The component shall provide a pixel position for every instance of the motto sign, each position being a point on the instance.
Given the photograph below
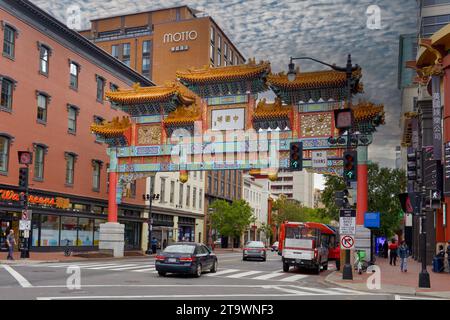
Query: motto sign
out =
(180, 36)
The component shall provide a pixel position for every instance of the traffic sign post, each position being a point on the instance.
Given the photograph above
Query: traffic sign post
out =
(347, 222)
(347, 242)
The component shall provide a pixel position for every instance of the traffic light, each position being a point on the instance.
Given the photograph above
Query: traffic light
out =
(296, 156)
(350, 166)
(23, 178)
(412, 166)
(341, 199)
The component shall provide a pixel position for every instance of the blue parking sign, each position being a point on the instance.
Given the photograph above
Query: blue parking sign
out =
(372, 220)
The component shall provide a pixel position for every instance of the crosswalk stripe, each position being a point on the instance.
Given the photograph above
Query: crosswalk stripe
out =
(349, 291)
(100, 267)
(131, 267)
(321, 291)
(145, 270)
(300, 293)
(294, 278)
(219, 273)
(241, 275)
(81, 265)
(268, 276)
(124, 267)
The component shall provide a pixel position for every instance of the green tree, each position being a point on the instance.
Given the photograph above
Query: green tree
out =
(233, 219)
(384, 186)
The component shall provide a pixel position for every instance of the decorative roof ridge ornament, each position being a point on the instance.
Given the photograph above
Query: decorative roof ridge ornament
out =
(184, 114)
(369, 111)
(114, 128)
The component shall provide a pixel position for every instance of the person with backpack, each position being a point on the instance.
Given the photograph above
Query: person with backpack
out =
(393, 253)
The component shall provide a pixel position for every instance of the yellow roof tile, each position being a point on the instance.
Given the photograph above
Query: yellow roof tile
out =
(115, 128)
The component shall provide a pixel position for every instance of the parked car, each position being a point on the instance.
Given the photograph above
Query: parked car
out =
(186, 258)
(254, 250)
(275, 246)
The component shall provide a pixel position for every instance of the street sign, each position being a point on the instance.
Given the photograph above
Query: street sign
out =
(26, 214)
(26, 234)
(319, 159)
(347, 242)
(347, 222)
(372, 220)
(24, 225)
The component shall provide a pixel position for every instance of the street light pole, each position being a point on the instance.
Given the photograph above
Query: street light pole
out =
(348, 69)
(424, 276)
(150, 197)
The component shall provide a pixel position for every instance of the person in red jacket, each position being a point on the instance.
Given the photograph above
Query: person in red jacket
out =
(393, 252)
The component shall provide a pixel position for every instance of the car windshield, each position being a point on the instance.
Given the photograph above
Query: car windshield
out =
(255, 244)
(180, 249)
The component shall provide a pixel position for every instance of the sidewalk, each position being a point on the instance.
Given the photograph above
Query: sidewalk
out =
(396, 282)
(43, 257)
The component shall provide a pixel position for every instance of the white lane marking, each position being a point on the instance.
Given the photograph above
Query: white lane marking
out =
(319, 291)
(244, 274)
(268, 276)
(296, 292)
(80, 265)
(349, 291)
(145, 270)
(22, 281)
(104, 266)
(219, 273)
(294, 278)
(123, 267)
(131, 267)
(168, 296)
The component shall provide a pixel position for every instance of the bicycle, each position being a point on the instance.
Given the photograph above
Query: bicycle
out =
(67, 250)
(360, 265)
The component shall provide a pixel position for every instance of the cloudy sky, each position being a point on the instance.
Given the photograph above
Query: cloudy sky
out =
(277, 29)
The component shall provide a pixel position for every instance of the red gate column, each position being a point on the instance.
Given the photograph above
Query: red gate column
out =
(362, 185)
(112, 197)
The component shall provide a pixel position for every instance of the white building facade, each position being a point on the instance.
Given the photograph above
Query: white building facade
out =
(178, 208)
(297, 185)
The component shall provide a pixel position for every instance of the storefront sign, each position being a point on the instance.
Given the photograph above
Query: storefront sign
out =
(180, 36)
(437, 117)
(447, 168)
(10, 195)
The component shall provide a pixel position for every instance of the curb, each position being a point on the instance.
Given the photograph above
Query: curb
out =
(419, 294)
(24, 261)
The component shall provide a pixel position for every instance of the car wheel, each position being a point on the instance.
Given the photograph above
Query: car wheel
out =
(285, 267)
(244, 259)
(318, 269)
(161, 273)
(214, 267)
(198, 271)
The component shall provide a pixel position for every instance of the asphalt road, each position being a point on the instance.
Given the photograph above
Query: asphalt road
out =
(137, 279)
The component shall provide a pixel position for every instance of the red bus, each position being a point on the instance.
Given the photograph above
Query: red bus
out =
(307, 245)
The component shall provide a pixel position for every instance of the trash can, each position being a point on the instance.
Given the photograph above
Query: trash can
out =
(438, 264)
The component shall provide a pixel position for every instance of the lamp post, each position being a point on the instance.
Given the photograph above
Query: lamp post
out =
(150, 197)
(424, 276)
(347, 273)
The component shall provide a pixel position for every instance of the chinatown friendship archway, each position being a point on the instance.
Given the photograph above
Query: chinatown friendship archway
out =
(222, 127)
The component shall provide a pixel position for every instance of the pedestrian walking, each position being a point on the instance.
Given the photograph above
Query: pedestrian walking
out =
(403, 253)
(154, 245)
(393, 253)
(385, 249)
(448, 255)
(11, 242)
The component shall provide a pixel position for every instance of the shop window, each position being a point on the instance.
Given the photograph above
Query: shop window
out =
(35, 222)
(85, 232)
(49, 231)
(97, 224)
(80, 207)
(5, 142)
(69, 227)
(7, 87)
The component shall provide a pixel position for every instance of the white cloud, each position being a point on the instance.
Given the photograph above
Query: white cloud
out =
(275, 30)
